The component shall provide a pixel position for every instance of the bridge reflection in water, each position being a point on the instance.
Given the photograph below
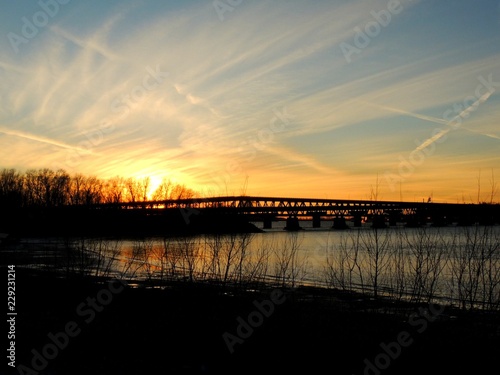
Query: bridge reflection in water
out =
(339, 211)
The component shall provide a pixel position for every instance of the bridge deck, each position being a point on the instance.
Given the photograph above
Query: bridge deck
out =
(304, 206)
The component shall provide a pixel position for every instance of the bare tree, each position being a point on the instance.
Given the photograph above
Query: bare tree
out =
(162, 192)
(172, 255)
(289, 264)
(376, 246)
(114, 190)
(244, 240)
(11, 189)
(189, 248)
(86, 190)
(398, 268)
(475, 268)
(344, 267)
(257, 265)
(132, 190)
(181, 192)
(494, 187)
(427, 261)
(144, 184)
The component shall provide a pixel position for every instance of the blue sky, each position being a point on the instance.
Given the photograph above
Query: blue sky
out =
(328, 99)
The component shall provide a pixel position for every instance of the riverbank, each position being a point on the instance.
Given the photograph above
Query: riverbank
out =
(194, 328)
(70, 221)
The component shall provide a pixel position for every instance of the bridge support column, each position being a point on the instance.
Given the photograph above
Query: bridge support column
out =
(268, 222)
(339, 223)
(379, 221)
(316, 221)
(292, 224)
(393, 219)
(357, 220)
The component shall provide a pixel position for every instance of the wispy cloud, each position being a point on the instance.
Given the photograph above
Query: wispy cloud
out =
(37, 138)
(462, 115)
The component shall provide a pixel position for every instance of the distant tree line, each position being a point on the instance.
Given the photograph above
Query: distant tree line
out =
(46, 188)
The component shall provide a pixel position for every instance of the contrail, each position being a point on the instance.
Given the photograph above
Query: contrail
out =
(464, 114)
(433, 139)
(485, 134)
(38, 138)
(471, 108)
(299, 158)
(411, 114)
(84, 44)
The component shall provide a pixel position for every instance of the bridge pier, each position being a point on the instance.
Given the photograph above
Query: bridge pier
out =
(340, 223)
(268, 222)
(393, 219)
(292, 224)
(378, 221)
(316, 220)
(357, 220)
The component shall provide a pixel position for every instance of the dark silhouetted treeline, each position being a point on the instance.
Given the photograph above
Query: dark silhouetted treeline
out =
(48, 188)
(48, 202)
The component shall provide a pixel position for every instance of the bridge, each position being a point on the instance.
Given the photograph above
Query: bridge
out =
(269, 209)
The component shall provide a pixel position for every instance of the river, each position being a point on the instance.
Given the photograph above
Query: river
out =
(458, 264)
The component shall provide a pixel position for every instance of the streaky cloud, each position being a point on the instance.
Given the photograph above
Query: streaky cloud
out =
(37, 138)
(464, 114)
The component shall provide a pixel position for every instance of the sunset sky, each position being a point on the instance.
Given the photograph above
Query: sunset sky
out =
(320, 99)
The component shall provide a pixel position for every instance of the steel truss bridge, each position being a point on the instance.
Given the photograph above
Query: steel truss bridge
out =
(271, 208)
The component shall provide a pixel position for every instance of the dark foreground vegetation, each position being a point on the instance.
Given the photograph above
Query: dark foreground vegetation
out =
(195, 328)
